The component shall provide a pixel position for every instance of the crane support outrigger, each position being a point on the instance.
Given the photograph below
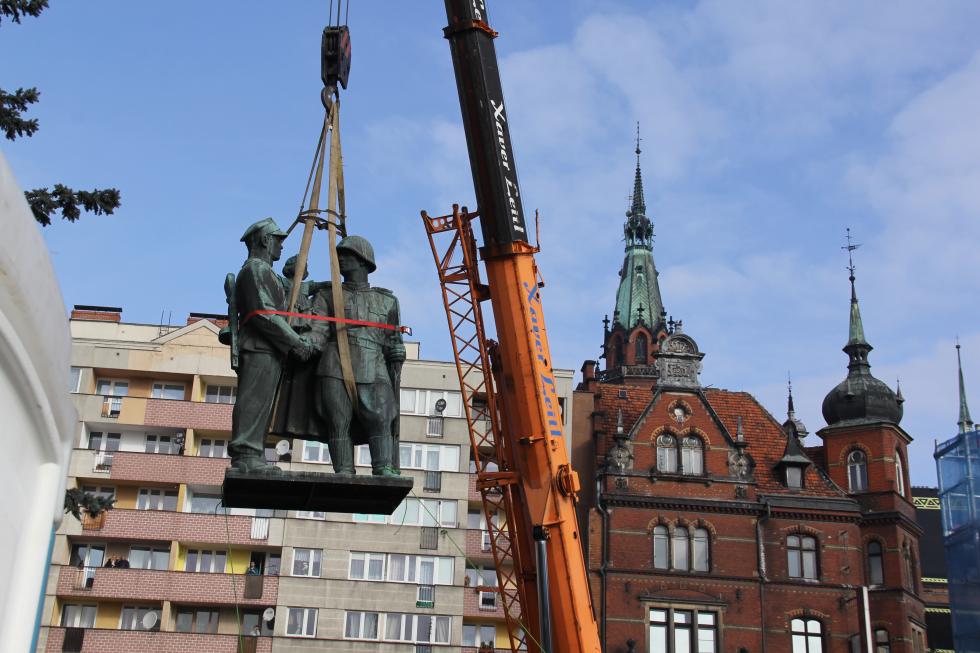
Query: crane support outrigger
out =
(535, 485)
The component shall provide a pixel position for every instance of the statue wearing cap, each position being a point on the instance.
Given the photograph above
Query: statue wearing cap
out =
(264, 342)
(377, 354)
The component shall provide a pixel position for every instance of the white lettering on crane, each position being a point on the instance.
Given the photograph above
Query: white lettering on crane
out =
(513, 194)
(478, 10)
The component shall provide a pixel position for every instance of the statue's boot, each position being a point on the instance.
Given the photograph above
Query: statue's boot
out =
(254, 465)
(381, 451)
(342, 455)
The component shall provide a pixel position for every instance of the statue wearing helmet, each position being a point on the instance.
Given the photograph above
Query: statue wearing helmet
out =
(377, 354)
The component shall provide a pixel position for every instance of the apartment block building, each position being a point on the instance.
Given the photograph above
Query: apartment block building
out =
(154, 405)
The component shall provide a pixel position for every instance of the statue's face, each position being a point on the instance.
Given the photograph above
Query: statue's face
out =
(349, 263)
(274, 243)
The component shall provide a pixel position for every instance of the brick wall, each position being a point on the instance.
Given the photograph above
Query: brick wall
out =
(98, 640)
(162, 468)
(175, 586)
(98, 316)
(188, 414)
(471, 605)
(160, 525)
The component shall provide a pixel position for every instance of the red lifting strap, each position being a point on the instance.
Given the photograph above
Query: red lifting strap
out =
(323, 318)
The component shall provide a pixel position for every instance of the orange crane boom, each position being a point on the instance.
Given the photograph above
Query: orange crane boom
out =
(528, 442)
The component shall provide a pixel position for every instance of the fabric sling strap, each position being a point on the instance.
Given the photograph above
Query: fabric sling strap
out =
(335, 197)
(324, 318)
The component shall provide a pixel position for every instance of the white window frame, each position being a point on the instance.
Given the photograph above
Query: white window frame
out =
(224, 394)
(360, 624)
(157, 440)
(155, 498)
(670, 625)
(366, 558)
(802, 632)
(104, 441)
(322, 451)
(425, 400)
(418, 451)
(413, 620)
(79, 619)
(213, 557)
(213, 444)
(311, 514)
(304, 622)
(314, 563)
(802, 552)
(425, 509)
(138, 617)
(75, 379)
(414, 562)
(478, 640)
(151, 552)
(161, 388)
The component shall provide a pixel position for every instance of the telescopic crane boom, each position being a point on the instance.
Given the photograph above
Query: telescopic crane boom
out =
(556, 602)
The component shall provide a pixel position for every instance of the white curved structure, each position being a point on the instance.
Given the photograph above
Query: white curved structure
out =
(38, 415)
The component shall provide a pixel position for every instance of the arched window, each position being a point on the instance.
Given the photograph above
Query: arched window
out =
(857, 471)
(661, 548)
(617, 352)
(882, 645)
(680, 544)
(899, 474)
(692, 456)
(667, 454)
(700, 554)
(807, 636)
(876, 567)
(801, 551)
(641, 349)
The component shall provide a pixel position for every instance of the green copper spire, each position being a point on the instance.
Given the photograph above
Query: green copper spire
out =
(965, 422)
(638, 297)
(857, 347)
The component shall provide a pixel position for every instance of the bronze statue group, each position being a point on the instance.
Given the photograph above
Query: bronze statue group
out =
(290, 378)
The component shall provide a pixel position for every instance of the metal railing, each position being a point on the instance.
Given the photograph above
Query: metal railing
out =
(103, 461)
(84, 578)
(435, 426)
(111, 406)
(426, 597)
(429, 537)
(432, 482)
(423, 648)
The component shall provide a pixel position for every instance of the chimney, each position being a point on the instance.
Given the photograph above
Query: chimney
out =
(218, 319)
(96, 313)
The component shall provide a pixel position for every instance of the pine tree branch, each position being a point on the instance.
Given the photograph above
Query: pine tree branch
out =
(44, 202)
(76, 500)
(11, 106)
(14, 9)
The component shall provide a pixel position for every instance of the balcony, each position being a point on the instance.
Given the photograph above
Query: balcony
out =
(478, 544)
(426, 597)
(171, 413)
(482, 602)
(164, 525)
(167, 468)
(101, 409)
(99, 640)
(90, 583)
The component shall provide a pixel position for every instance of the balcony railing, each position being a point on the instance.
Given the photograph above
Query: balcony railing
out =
(426, 597)
(260, 528)
(74, 640)
(435, 426)
(429, 537)
(432, 482)
(103, 461)
(423, 648)
(111, 406)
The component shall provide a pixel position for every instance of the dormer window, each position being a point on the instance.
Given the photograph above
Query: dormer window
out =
(794, 477)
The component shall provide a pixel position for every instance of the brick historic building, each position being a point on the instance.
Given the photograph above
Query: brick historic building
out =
(710, 526)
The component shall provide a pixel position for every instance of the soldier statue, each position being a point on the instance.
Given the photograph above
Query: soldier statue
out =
(377, 354)
(264, 342)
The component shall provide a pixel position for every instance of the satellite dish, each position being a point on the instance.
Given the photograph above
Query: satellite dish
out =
(282, 447)
(440, 405)
(150, 620)
(269, 614)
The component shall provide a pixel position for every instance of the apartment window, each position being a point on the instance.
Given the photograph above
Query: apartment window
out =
(683, 631)
(899, 474)
(679, 559)
(144, 557)
(661, 547)
(78, 616)
(161, 444)
(273, 562)
(857, 471)
(210, 448)
(424, 570)
(315, 452)
(191, 620)
(253, 620)
(882, 645)
(310, 514)
(430, 457)
(87, 555)
(420, 628)
(425, 512)
(101, 491)
(220, 394)
(423, 402)
(479, 635)
(167, 391)
(876, 567)
(98, 441)
(206, 562)
(699, 550)
(208, 504)
(150, 499)
(301, 622)
(74, 379)
(667, 454)
(807, 636)
(306, 562)
(801, 551)
(361, 625)
(138, 618)
(692, 456)
(367, 566)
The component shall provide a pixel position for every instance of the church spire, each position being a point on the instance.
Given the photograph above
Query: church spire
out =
(965, 422)
(857, 346)
(638, 299)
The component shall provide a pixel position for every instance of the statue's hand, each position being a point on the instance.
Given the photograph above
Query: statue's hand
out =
(302, 350)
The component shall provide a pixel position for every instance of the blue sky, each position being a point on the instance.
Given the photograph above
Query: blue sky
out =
(768, 128)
